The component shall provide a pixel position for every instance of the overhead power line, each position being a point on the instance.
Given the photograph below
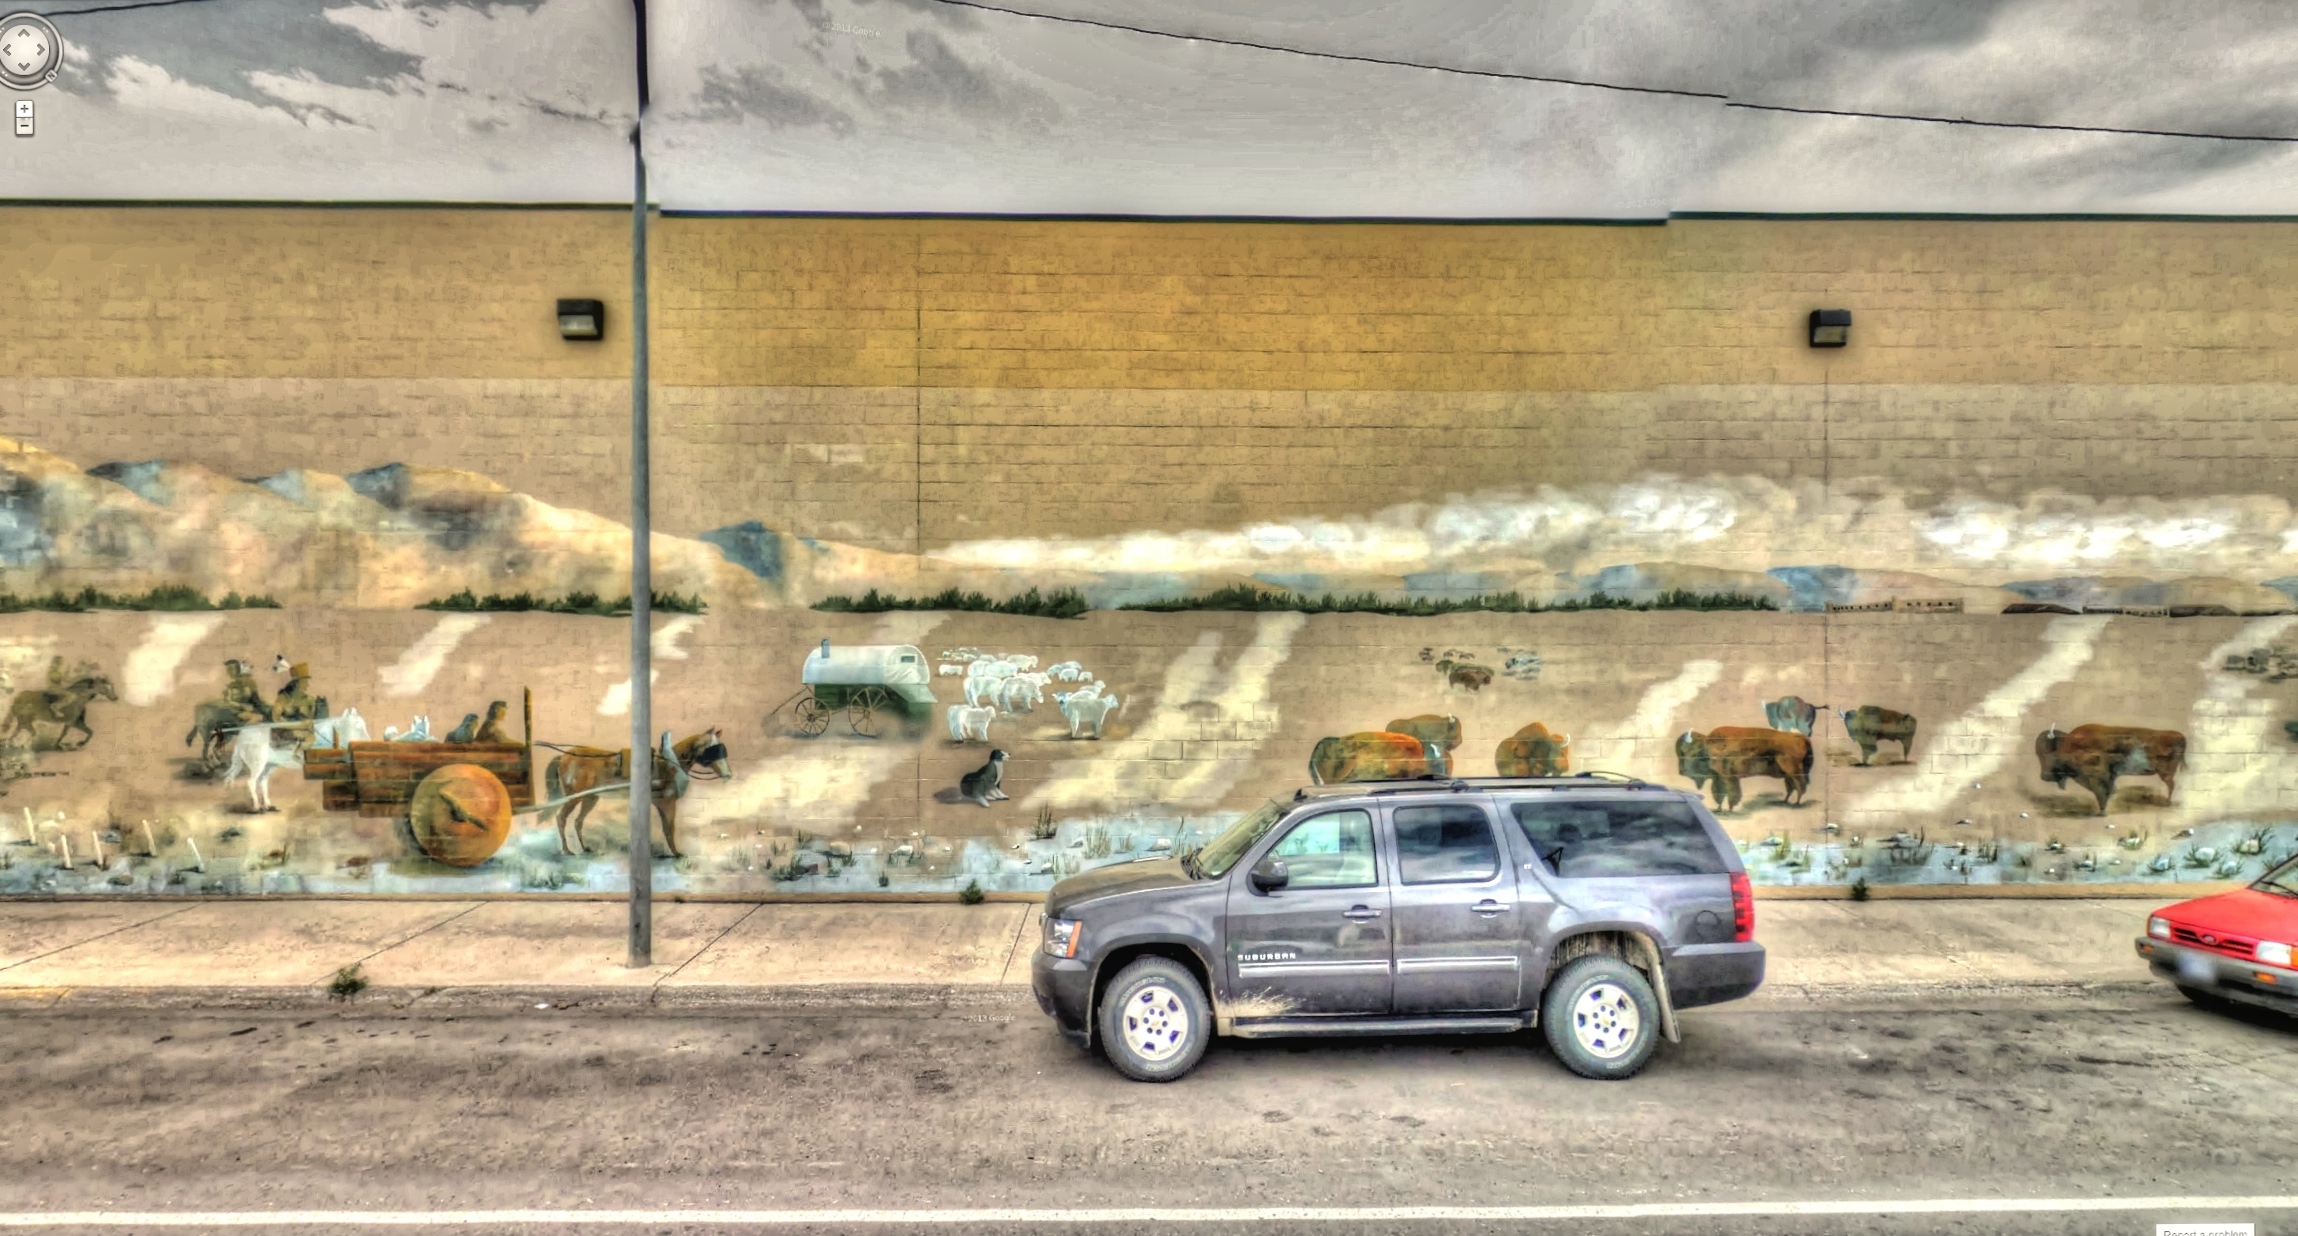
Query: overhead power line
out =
(121, 8)
(1454, 70)
(1592, 84)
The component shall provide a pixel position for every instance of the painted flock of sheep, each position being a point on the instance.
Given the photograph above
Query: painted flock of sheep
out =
(1006, 684)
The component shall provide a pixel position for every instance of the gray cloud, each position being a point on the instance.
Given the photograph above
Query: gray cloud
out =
(938, 77)
(217, 45)
(757, 90)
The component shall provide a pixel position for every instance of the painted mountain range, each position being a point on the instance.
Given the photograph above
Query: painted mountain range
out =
(396, 536)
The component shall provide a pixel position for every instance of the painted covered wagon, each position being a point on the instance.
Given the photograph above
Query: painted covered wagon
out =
(876, 685)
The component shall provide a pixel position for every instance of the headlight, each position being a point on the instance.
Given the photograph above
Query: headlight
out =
(2158, 927)
(1061, 936)
(2274, 954)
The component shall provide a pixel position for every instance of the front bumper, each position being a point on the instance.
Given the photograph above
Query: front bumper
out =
(2246, 982)
(1713, 973)
(1064, 990)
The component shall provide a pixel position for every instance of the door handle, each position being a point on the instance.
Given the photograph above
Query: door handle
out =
(1488, 907)
(1360, 913)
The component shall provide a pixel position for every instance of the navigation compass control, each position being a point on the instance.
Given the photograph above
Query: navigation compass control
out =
(30, 51)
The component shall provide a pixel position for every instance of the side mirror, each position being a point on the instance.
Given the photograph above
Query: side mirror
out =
(1270, 874)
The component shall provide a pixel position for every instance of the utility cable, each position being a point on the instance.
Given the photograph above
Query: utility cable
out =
(1588, 83)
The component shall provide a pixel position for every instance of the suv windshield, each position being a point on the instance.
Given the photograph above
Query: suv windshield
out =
(2283, 879)
(1222, 852)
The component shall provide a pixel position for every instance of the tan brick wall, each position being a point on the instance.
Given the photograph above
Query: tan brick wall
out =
(908, 382)
(171, 292)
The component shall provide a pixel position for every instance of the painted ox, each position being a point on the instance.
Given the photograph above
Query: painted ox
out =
(1429, 728)
(1869, 725)
(2092, 756)
(1534, 752)
(1792, 713)
(1375, 756)
(1727, 754)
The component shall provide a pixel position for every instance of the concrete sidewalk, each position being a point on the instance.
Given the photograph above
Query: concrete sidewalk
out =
(239, 953)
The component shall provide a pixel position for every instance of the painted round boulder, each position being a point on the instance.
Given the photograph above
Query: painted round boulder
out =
(460, 814)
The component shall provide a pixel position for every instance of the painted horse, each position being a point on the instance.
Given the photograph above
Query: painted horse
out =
(580, 770)
(65, 708)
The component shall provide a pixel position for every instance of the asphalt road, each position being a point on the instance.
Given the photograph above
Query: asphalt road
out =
(372, 1109)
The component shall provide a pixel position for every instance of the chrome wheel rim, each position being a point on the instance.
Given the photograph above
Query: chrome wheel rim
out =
(1156, 1023)
(1605, 1022)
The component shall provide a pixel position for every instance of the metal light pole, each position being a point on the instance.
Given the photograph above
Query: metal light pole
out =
(641, 761)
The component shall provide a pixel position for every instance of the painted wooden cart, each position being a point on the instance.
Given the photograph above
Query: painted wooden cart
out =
(876, 685)
(457, 797)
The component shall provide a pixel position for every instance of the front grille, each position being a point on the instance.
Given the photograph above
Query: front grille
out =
(2215, 941)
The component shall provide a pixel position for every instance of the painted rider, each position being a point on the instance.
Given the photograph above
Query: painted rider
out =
(295, 701)
(243, 694)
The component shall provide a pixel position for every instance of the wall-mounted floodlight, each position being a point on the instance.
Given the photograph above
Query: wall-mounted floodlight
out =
(1830, 328)
(582, 319)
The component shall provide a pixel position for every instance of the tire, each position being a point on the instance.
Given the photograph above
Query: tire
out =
(1155, 1021)
(1602, 1019)
(2204, 999)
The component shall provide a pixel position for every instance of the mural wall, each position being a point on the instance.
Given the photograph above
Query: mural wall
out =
(915, 639)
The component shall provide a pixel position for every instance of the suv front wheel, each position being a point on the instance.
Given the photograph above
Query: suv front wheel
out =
(1602, 1019)
(1154, 1020)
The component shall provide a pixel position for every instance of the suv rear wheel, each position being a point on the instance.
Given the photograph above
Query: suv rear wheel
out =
(1602, 1019)
(1154, 1020)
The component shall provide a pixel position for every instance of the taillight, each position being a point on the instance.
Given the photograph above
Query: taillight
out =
(1742, 908)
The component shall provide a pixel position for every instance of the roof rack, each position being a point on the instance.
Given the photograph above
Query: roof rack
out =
(1424, 785)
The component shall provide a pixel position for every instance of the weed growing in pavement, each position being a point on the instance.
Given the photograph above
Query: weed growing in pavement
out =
(971, 894)
(348, 982)
(1859, 889)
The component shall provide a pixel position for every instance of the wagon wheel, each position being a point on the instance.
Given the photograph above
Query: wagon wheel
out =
(813, 716)
(867, 710)
(460, 814)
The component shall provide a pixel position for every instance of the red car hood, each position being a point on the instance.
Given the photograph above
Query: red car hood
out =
(2244, 912)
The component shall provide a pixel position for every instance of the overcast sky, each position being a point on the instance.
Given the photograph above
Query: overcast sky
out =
(920, 105)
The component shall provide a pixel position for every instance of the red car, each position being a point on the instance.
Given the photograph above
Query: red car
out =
(2233, 947)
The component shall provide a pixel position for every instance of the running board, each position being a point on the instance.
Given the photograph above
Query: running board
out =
(1296, 1027)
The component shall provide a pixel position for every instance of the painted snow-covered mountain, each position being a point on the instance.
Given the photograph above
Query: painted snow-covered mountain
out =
(396, 536)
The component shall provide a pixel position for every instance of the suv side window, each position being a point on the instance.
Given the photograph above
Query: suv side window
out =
(1592, 840)
(1333, 850)
(1445, 844)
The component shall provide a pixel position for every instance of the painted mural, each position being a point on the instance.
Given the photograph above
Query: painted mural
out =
(413, 680)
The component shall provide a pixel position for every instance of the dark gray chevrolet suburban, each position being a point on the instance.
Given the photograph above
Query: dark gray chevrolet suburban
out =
(1593, 908)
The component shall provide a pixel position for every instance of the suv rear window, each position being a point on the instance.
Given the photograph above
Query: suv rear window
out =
(1591, 840)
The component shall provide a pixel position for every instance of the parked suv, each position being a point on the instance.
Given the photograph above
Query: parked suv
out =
(1594, 908)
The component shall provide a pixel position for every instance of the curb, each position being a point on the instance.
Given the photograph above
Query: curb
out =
(845, 998)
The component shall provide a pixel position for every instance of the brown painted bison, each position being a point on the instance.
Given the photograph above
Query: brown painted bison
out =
(2092, 756)
(1375, 756)
(1728, 753)
(1792, 713)
(1534, 752)
(1429, 728)
(1869, 725)
(1465, 674)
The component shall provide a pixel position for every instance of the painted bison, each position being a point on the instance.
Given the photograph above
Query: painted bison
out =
(1465, 674)
(1375, 756)
(1534, 752)
(1727, 754)
(1429, 728)
(2092, 756)
(1869, 725)
(1792, 713)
